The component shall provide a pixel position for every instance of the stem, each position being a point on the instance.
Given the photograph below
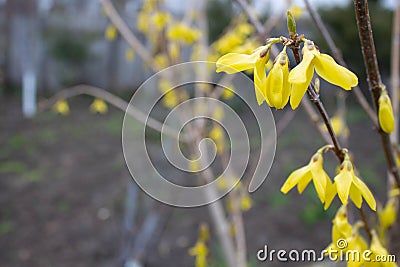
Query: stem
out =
(366, 225)
(374, 77)
(395, 69)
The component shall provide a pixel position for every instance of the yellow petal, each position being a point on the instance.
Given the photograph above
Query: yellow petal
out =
(330, 193)
(260, 79)
(365, 192)
(301, 186)
(299, 89)
(300, 73)
(385, 114)
(355, 196)
(343, 182)
(274, 84)
(235, 62)
(294, 179)
(388, 215)
(332, 72)
(319, 178)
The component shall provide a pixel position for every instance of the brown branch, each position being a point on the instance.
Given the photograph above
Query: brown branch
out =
(374, 77)
(395, 69)
(339, 58)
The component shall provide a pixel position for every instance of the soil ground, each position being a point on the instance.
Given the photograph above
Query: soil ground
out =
(63, 185)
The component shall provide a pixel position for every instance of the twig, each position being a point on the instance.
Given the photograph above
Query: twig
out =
(395, 70)
(338, 56)
(374, 78)
(116, 102)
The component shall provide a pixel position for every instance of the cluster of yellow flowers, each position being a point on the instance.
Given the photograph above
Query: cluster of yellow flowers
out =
(200, 250)
(346, 183)
(346, 238)
(280, 84)
(98, 106)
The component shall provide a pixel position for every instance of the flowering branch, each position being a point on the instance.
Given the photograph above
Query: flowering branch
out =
(374, 77)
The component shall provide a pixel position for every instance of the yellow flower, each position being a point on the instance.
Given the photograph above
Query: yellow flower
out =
(387, 216)
(111, 32)
(235, 62)
(129, 55)
(378, 252)
(348, 184)
(173, 50)
(297, 11)
(217, 134)
(98, 106)
(385, 114)
(313, 171)
(204, 232)
(183, 33)
(228, 93)
(161, 61)
(170, 99)
(326, 67)
(160, 20)
(200, 251)
(61, 107)
(277, 85)
(228, 42)
(246, 202)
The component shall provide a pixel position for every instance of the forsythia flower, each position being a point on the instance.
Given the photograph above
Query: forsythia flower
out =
(160, 19)
(377, 249)
(217, 134)
(98, 106)
(385, 113)
(326, 67)
(228, 93)
(387, 215)
(111, 32)
(170, 99)
(313, 171)
(346, 237)
(235, 62)
(246, 202)
(277, 89)
(61, 107)
(348, 184)
(183, 33)
(200, 251)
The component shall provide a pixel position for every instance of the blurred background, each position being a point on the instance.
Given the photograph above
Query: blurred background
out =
(65, 193)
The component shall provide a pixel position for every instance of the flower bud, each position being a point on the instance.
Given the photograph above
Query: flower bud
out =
(385, 114)
(291, 23)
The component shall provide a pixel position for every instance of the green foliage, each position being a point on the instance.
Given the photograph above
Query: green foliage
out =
(69, 50)
(219, 15)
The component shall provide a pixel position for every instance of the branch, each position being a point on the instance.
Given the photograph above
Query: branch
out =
(339, 58)
(374, 77)
(395, 69)
(114, 101)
